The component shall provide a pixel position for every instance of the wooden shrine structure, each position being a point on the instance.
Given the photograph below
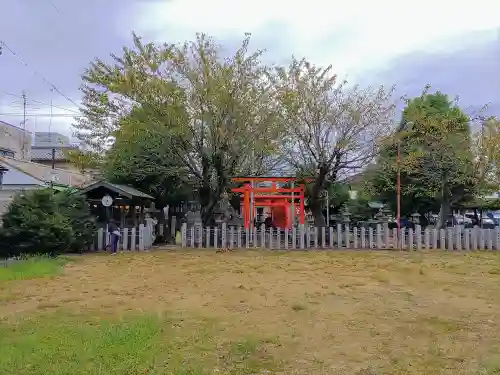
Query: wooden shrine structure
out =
(285, 203)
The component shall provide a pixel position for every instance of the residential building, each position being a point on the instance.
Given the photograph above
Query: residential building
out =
(14, 142)
(25, 175)
(50, 149)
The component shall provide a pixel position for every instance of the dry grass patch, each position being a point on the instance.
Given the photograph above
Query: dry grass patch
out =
(251, 312)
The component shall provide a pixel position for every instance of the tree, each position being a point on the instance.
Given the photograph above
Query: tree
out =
(332, 129)
(142, 158)
(217, 114)
(44, 222)
(437, 163)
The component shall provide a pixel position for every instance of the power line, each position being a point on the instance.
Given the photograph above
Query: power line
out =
(39, 102)
(40, 115)
(41, 76)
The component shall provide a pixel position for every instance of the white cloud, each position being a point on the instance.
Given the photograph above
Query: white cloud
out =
(353, 35)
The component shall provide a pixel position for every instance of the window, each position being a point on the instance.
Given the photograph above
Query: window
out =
(6, 152)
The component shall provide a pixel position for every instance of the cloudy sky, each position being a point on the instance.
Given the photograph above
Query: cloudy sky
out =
(455, 46)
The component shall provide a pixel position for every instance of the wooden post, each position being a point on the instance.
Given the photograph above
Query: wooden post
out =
(363, 237)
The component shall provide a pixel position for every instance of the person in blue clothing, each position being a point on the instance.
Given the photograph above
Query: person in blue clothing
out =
(114, 232)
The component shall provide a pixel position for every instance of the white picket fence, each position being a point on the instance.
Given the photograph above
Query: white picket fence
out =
(342, 237)
(141, 238)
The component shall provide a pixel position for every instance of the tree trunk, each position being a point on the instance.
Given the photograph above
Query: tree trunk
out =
(445, 208)
(315, 201)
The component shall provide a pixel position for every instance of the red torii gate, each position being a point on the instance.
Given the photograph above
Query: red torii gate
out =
(280, 199)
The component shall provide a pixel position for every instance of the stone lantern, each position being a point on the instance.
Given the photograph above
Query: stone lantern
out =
(415, 218)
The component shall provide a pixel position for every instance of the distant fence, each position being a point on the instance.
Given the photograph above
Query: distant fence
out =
(342, 237)
(140, 238)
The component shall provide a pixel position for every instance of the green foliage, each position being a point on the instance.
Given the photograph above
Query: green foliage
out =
(331, 128)
(437, 169)
(141, 157)
(44, 222)
(198, 116)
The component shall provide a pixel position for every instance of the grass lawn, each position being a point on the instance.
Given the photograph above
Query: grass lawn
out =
(253, 312)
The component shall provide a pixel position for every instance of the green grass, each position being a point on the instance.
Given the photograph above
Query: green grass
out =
(32, 268)
(67, 344)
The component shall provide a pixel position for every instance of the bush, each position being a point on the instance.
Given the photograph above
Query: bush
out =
(45, 222)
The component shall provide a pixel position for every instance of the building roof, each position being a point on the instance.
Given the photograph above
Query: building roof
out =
(45, 173)
(45, 153)
(124, 190)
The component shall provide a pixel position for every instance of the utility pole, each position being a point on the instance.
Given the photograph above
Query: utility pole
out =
(24, 110)
(50, 133)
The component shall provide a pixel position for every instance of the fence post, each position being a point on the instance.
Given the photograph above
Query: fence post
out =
(489, 236)
(402, 238)
(466, 239)
(410, 239)
(330, 233)
(427, 242)
(173, 227)
(263, 236)
(278, 239)
(231, 237)
(271, 230)
(191, 233)
(199, 235)
(458, 238)
(442, 239)
(315, 240)
(418, 236)
(379, 236)
(370, 238)
(347, 236)
(450, 246)
(141, 236)
(387, 236)
(294, 237)
(100, 238)
(481, 238)
(216, 237)
(474, 238)
(339, 236)
(363, 237)
(355, 235)
(247, 237)
(238, 238)
(207, 237)
(224, 235)
(395, 238)
(323, 237)
(133, 239)
(434, 238)
(308, 237)
(301, 234)
(125, 239)
(497, 238)
(254, 237)
(286, 238)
